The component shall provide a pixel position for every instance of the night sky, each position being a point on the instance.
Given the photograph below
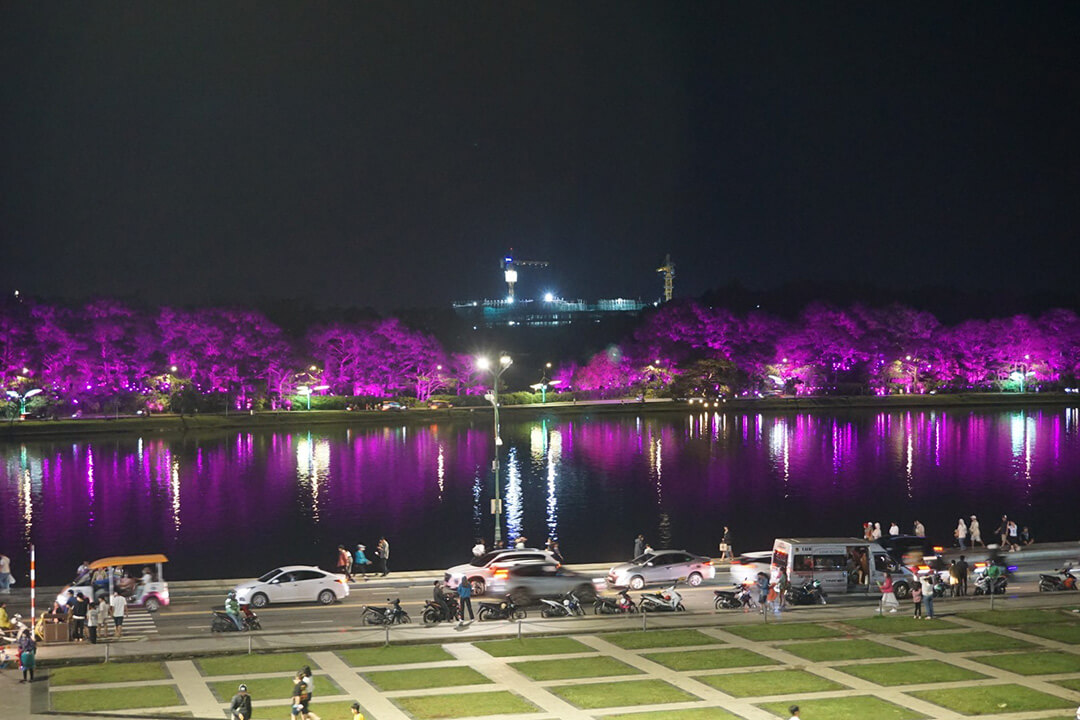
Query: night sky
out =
(389, 154)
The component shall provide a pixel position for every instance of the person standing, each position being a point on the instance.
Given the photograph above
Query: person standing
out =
(783, 584)
(1003, 532)
(240, 707)
(556, 552)
(119, 607)
(27, 654)
(92, 622)
(78, 616)
(927, 587)
(102, 617)
(478, 549)
(961, 576)
(383, 551)
(894, 530)
(919, 529)
(888, 597)
(763, 590)
(344, 563)
(5, 574)
(975, 532)
(726, 550)
(639, 546)
(464, 591)
(916, 597)
(875, 534)
(361, 561)
(519, 543)
(1013, 536)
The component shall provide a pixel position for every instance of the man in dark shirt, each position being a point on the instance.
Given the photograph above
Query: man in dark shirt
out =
(78, 615)
(300, 700)
(439, 596)
(241, 705)
(961, 576)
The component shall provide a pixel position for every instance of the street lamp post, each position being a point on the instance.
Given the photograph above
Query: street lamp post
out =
(496, 371)
(22, 398)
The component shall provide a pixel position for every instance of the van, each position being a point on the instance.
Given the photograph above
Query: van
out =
(841, 565)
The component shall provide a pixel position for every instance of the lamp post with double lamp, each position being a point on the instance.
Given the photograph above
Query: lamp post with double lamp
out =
(496, 370)
(22, 398)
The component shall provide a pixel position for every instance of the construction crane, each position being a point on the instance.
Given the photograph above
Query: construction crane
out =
(668, 268)
(510, 266)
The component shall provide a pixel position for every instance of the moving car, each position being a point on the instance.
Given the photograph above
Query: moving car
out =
(139, 578)
(293, 583)
(392, 406)
(662, 566)
(531, 581)
(439, 405)
(481, 570)
(745, 568)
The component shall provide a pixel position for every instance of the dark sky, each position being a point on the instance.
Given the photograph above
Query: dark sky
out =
(389, 154)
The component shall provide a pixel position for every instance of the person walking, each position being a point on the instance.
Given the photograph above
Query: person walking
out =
(356, 713)
(27, 654)
(961, 534)
(557, 553)
(927, 587)
(118, 604)
(78, 616)
(92, 622)
(919, 529)
(5, 574)
(1013, 536)
(464, 592)
(916, 597)
(726, 551)
(975, 532)
(1003, 532)
(102, 611)
(794, 710)
(763, 591)
(361, 561)
(639, 546)
(382, 551)
(344, 562)
(888, 597)
(240, 707)
(300, 699)
(961, 576)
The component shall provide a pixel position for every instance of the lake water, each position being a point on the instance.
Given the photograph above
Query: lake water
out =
(236, 504)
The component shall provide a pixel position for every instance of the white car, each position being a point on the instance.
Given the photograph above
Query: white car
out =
(481, 570)
(662, 566)
(293, 583)
(745, 568)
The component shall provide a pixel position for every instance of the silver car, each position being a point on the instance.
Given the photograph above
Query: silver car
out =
(481, 570)
(662, 566)
(528, 582)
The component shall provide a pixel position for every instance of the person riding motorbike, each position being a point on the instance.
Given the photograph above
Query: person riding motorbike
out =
(232, 609)
(439, 596)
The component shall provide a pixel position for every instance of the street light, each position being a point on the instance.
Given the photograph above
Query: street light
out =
(483, 363)
(22, 398)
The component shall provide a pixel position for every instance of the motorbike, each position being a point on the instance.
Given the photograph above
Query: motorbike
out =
(810, 593)
(434, 613)
(390, 615)
(990, 586)
(567, 605)
(1062, 580)
(666, 600)
(731, 599)
(503, 610)
(11, 636)
(221, 622)
(614, 606)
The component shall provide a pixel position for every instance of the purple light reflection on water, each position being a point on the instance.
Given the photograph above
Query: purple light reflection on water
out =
(235, 504)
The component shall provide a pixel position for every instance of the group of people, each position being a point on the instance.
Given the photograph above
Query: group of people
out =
(1010, 537)
(357, 562)
(442, 594)
(302, 693)
(88, 619)
(519, 543)
(872, 530)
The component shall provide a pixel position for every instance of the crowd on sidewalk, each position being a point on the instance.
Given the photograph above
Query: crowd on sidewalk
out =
(1010, 536)
(357, 562)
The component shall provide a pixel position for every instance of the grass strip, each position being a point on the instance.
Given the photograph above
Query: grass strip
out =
(99, 699)
(393, 655)
(1005, 618)
(532, 646)
(1033, 663)
(770, 682)
(893, 625)
(827, 650)
(107, 673)
(992, 699)
(859, 707)
(465, 705)
(710, 713)
(784, 631)
(727, 657)
(969, 641)
(911, 672)
(630, 692)
(1071, 684)
(424, 678)
(1062, 632)
(578, 668)
(264, 688)
(253, 664)
(639, 640)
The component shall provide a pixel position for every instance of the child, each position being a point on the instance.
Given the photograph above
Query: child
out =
(916, 597)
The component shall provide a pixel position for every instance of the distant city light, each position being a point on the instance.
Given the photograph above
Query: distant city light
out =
(548, 297)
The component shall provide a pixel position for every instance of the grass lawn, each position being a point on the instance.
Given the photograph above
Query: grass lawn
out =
(688, 714)
(107, 673)
(532, 646)
(968, 641)
(860, 707)
(1073, 684)
(464, 705)
(784, 631)
(631, 692)
(424, 678)
(1062, 632)
(843, 650)
(659, 638)
(253, 664)
(1015, 617)
(993, 699)
(774, 682)
(911, 672)
(393, 655)
(1033, 663)
(577, 668)
(714, 659)
(892, 624)
(144, 696)
(266, 688)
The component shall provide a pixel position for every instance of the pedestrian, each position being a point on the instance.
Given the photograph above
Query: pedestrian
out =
(1013, 536)
(919, 529)
(794, 710)
(961, 576)
(726, 550)
(300, 700)
(119, 607)
(549, 544)
(92, 623)
(763, 590)
(361, 561)
(356, 714)
(478, 549)
(783, 584)
(240, 707)
(5, 623)
(975, 532)
(868, 531)
(916, 597)
(382, 550)
(78, 616)
(5, 574)
(1002, 532)
(519, 543)
(304, 676)
(639, 546)
(961, 534)
(876, 534)
(103, 617)
(894, 530)
(927, 587)
(27, 654)
(888, 597)
(464, 591)
(556, 552)
(344, 562)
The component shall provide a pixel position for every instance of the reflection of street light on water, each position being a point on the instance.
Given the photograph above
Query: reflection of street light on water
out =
(483, 363)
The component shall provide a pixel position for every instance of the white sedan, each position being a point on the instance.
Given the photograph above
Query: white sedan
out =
(293, 583)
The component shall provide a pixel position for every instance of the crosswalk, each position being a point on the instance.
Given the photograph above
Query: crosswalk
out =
(138, 623)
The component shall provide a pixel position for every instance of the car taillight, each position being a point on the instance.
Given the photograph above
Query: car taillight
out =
(980, 565)
(339, 580)
(707, 562)
(938, 549)
(922, 568)
(502, 574)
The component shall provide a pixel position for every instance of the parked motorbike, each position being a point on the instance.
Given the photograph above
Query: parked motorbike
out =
(11, 636)
(1062, 580)
(567, 605)
(666, 600)
(810, 593)
(221, 622)
(503, 610)
(622, 603)
(990, 586)
(392, 614)
(730, 599)
(434, 613)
